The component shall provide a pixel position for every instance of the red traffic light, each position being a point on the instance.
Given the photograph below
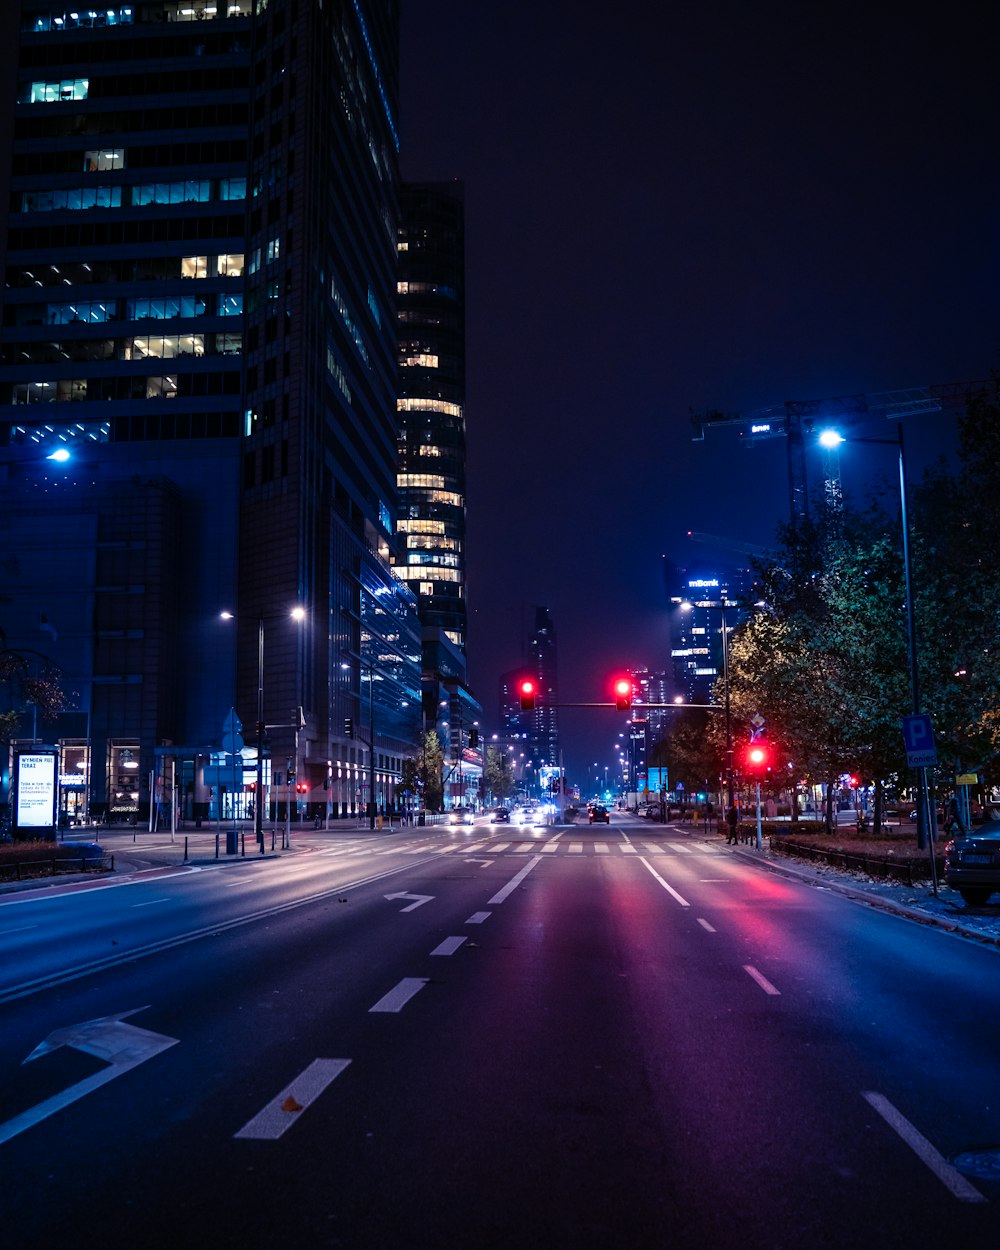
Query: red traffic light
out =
(758, 758)
(623, 694)
(527, 688)
(855, 782)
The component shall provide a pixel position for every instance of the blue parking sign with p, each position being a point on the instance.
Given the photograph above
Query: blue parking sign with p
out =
(918, 739)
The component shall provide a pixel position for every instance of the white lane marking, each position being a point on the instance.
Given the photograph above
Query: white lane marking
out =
(601, 848)
(576, 848)
(478, 917)
(706, 926)
(445, 850)
(20, 928)
(677, 846)
(476, 846)
(25, 988)
(761, 980)
(716, 881)
(151, 902)
(550, 846)
(283, 1110)
(448, 947)
(500, 846)
(400, 995)
(228, 885)
(525, 848)
(654, 848)
(514, 882)
(629, 850)
(669, 888)
(954, 1181)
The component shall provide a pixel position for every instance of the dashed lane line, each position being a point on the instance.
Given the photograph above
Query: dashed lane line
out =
(285, 1108)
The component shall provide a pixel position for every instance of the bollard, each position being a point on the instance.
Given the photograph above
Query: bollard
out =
(185, 849)
(243, 844)
(272, 842)
(216, 846)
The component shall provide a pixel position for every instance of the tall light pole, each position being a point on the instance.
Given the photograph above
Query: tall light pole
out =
(831, 438)
(296, 614)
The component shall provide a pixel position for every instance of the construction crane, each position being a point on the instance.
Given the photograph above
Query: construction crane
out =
(794, 419)
(729, 544)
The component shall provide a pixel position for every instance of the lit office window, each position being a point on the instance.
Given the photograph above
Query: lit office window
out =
(63, 91)
(103, 158)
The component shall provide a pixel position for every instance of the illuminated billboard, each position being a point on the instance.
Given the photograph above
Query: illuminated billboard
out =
(36, 790)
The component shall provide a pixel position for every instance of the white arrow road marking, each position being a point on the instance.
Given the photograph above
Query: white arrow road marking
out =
(398, 997)
(761, 980)
(449, 946)
(123, 1046)
(420, 899)
(283, 1110)
(922, 1148)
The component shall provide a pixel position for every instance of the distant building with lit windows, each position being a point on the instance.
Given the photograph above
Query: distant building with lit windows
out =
(431, 404)
(696, 631)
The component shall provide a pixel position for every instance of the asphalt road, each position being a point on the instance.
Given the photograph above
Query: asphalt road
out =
(597, 1037)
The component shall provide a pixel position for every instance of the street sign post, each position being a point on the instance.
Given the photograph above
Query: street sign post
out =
(918, 739)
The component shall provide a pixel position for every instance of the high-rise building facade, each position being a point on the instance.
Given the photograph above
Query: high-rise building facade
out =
(696, 628)
(431, 471)
(199, 307)
(543, 663)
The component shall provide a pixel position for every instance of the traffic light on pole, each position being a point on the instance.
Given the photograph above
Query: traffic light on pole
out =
(623, 694)
(526, 691)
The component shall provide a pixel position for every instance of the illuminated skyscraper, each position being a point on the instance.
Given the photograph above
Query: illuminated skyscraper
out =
(431, 479)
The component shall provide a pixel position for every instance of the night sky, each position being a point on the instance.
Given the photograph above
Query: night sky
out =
(677, 207)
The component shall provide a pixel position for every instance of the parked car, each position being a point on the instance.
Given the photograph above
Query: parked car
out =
(501, 816)
(972, 864)
(598, 814)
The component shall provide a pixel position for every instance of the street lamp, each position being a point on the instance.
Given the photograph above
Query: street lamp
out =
(832, 438)
(296, 614)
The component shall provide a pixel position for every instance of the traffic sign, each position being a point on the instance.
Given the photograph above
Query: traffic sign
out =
(918, 739)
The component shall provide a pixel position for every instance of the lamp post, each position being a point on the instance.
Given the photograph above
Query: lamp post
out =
(296, 614)
(832, 438)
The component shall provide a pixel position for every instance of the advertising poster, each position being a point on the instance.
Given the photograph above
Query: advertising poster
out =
(36, 790)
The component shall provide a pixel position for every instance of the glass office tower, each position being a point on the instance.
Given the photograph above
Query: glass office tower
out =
(199, 308)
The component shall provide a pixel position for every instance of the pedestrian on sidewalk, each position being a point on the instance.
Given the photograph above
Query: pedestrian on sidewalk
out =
(732, 824)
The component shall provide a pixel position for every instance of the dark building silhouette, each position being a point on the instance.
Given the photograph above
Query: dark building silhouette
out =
(543, 722)
(199, 306)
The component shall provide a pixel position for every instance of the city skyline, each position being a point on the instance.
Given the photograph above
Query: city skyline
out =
(676, 210)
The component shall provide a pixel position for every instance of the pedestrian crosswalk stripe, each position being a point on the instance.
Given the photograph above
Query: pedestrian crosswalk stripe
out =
(601, 848)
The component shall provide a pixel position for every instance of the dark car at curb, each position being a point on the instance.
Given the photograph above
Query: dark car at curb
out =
(972, 864)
